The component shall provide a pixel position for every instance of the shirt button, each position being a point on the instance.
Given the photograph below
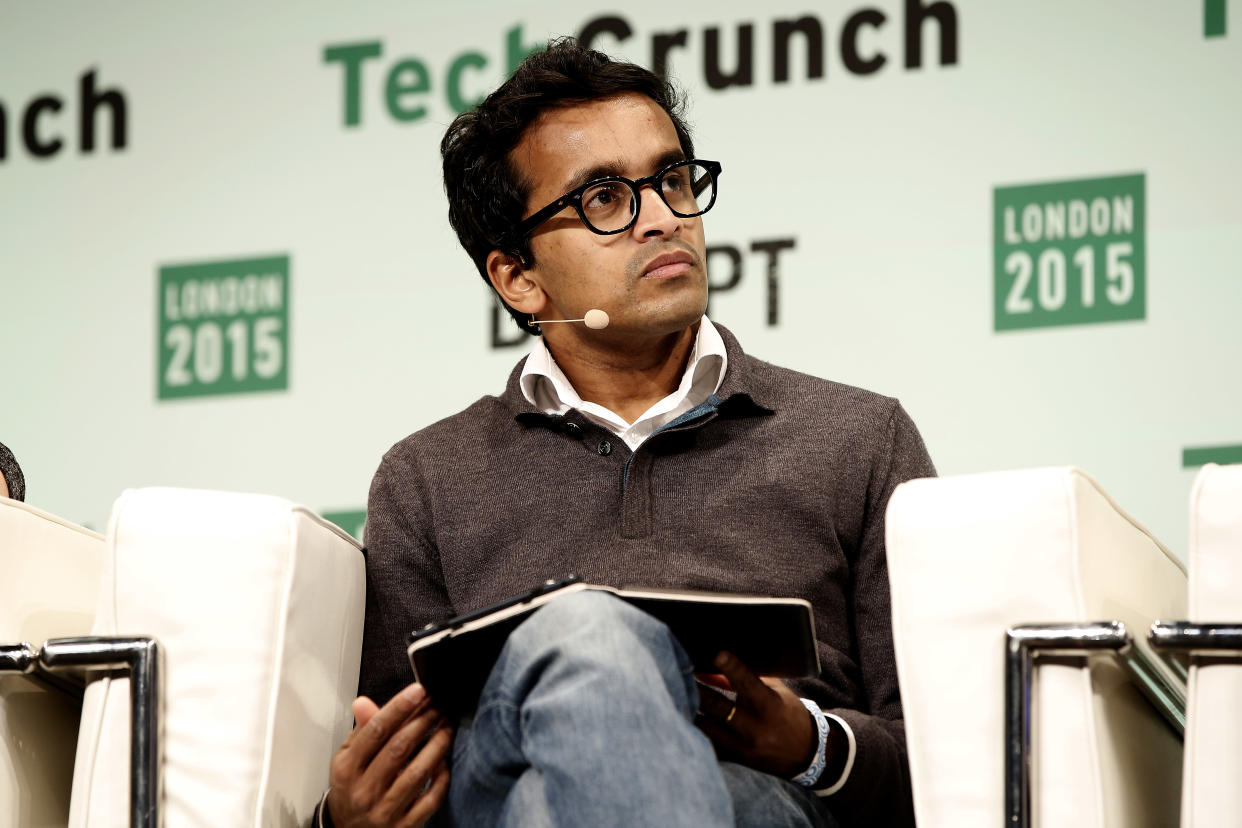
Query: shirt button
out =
(604, 448)
(573, 430)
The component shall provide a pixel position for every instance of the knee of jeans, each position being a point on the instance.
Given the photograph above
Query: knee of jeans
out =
(591, 615)
(589, 608)
(596, 629)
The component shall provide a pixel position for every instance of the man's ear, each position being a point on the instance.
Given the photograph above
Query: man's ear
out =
(509, 277)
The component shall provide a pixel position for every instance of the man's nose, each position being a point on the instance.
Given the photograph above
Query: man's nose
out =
(655, 217)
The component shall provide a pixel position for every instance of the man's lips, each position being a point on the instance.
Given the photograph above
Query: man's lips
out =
(668, 264)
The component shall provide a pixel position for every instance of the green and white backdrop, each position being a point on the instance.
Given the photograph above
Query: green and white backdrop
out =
(225, 262)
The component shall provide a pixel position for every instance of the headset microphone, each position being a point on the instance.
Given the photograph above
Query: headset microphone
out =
(595, 319)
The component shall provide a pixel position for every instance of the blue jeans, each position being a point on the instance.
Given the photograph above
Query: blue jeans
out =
(587, 719)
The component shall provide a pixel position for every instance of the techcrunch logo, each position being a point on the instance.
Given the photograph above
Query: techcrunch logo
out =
(39, 116)
(408, 80)
(1069, 252)
(726, 56)
(861, 43)
(223, 327)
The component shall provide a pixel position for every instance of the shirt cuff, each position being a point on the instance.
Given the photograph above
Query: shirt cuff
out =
(811, 775)
(849, 758)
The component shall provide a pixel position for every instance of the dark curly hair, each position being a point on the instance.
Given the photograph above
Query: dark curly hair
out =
(486, 194)
(12, 474)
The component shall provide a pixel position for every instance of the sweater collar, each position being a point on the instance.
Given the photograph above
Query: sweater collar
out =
(740, 393)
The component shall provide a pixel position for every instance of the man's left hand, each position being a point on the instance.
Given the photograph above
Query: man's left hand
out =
(766, 728)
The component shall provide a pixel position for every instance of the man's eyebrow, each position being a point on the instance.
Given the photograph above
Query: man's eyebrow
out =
(604, 170)
(616, 168)
(670, 157)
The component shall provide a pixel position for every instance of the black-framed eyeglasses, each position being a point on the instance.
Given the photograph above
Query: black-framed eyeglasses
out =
(610, 205)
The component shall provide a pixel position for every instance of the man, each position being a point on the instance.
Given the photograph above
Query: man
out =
(12, 481)
(651, 452)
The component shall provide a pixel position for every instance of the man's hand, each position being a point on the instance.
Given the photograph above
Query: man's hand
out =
(379, 775)
(766, 728)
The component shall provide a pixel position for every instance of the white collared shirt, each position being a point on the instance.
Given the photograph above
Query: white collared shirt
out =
(546, 387)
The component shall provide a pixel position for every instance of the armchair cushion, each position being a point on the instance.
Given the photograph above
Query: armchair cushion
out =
(51, 578)
(257, 604)
(971, 556)
(1213, 765)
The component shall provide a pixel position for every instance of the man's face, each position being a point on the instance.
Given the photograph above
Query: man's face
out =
(650, 279)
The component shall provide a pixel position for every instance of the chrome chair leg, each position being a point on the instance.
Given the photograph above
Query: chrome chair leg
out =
(18, 658)
(1221, 640)
(139, 658)
(1026, 642)
(1022, 644)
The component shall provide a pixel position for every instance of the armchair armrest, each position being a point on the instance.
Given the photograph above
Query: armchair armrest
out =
(258, 605)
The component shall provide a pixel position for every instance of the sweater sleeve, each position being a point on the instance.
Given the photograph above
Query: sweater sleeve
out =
(405, 585)
(876, 788)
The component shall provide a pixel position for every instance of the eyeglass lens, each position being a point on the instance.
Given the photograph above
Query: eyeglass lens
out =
(688, 190)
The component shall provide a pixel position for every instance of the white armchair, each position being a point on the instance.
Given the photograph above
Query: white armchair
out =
(971, 557)
(50, 583)
(1213, 763)
(255, 607)
(257, 604)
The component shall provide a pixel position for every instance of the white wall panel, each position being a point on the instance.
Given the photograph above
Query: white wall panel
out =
(237, 148)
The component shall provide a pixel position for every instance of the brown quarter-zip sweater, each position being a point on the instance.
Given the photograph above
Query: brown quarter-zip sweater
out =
(776, 485)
